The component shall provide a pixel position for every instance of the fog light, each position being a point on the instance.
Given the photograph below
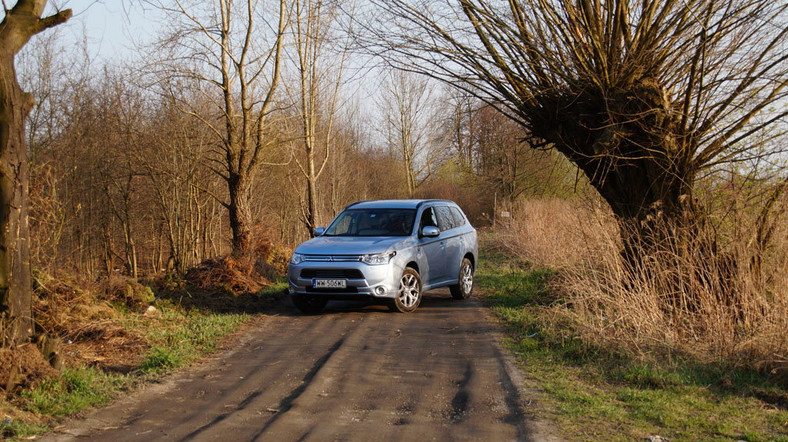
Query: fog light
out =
(291, 290)
(380, 290)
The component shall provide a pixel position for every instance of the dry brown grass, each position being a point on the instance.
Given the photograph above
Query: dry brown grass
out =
(556, 233)
(90, 331)
(20, 367)
(730, 306)
(670, 302)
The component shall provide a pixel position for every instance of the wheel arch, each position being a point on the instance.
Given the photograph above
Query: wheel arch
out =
(471, 258)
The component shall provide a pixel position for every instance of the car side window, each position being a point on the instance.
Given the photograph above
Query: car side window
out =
(459, 219)
(428, 219)
(445, 218)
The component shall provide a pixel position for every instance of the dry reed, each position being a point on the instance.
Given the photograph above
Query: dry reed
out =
(730, 306)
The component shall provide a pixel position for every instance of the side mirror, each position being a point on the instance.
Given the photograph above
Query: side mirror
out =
(319, 231)
(430, 231)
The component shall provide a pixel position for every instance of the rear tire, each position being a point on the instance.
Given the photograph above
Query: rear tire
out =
(309, 304)
(409, 295)
(464, 287)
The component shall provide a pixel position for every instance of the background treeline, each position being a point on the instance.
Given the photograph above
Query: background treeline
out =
(123, 181)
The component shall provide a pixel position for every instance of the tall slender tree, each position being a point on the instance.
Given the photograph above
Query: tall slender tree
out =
(20, 23)
(320, 56)
(410, 124)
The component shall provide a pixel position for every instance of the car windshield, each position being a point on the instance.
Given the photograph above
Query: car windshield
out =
(373, 222)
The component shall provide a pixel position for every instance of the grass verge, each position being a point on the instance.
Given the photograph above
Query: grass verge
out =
(594, 392)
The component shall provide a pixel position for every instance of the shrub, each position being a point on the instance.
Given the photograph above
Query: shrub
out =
(128, 291)
(247, 273)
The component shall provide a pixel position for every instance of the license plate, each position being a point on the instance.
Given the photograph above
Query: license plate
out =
(329, 283)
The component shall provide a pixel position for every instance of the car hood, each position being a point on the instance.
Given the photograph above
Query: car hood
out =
(345, 245)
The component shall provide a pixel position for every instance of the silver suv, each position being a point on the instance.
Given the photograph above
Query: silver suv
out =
(389, 250)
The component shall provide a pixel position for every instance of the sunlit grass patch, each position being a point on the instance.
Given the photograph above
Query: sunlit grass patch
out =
(596, 392)
(174, 334)
(20, 429)
(74, 390)
(180, 337)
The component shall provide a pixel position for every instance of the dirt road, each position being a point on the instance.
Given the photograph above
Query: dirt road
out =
(355, 372)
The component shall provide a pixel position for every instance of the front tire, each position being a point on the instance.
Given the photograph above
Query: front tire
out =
(464, 287)
(309, 304)
(409, 295)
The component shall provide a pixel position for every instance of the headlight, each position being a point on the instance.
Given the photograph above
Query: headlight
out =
(378, 259)
(297, 258)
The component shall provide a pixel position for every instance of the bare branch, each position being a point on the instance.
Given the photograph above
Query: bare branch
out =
(639, 95)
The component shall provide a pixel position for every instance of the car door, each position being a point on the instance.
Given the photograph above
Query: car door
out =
(464, 232)
(432, 268)
(452, 247)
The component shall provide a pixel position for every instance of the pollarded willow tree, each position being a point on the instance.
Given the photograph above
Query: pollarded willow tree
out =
(642, 95)
(20, 23)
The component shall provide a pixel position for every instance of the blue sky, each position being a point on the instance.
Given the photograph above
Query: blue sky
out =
(113, 26)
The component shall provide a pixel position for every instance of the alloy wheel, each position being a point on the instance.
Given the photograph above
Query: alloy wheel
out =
(409, 290)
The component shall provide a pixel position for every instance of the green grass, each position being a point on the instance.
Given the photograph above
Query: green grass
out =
(186, 336)
(16, 428)
(594, 392)
(183, 335)
(74, 390)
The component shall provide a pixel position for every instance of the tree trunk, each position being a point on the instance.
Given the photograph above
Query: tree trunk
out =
(131, 250)
(15, 289)
(19, 24)
(108, 267)
(240, 218)
(407, 165)
(311, 190)
(626, 144)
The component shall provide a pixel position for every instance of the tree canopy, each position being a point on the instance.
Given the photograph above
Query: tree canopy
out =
(640, 95)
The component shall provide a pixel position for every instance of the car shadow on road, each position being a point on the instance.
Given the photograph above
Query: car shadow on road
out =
(434, 300)
(268, 300)
(276, 302)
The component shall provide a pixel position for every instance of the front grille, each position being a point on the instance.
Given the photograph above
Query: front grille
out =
(332, 273)
(332, 258)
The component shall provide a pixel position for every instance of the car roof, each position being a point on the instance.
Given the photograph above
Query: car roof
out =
(395, 204)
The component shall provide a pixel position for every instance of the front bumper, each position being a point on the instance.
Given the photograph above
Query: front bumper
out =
(362, 280)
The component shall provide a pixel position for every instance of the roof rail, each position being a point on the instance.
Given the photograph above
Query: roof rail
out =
(357, 202)
(430, 201)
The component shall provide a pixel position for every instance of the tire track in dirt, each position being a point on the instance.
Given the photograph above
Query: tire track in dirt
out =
(355, 373)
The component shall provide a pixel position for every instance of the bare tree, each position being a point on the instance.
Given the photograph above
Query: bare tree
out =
(410, 114)
(41, 72)
(222, 44)
(173, 162)
(19, 24)
(460, 127)
(319, 64)
(641, 96)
